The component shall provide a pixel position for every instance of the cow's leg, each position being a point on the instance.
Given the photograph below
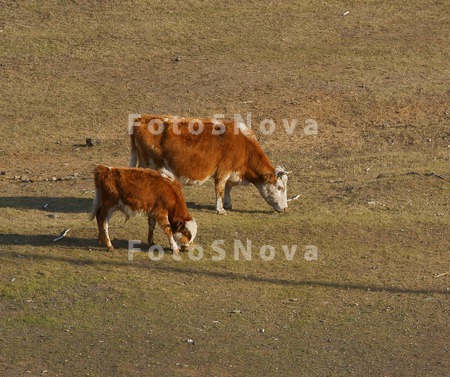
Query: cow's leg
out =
(227, 197)
(163, 221)
(151, 228)
(103, 216)
(148, 163)
(220, 188)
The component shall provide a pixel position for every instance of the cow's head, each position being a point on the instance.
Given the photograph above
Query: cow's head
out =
(184, 233)
(274, 189)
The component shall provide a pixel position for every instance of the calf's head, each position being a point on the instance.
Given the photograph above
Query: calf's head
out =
(274, 189)
(184, 233)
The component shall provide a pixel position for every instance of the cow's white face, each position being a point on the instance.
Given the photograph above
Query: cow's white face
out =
(275, 194)
(185, 234)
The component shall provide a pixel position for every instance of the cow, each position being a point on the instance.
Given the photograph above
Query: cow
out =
(156, 194)
(198, 149)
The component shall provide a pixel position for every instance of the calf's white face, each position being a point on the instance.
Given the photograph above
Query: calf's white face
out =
(185, 234)
(275, 194)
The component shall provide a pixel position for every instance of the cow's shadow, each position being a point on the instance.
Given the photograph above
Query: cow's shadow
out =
(48, 204)
(84, 205)
(211, 208)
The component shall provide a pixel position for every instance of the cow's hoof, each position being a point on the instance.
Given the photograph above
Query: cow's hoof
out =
(110, 248)
(227, 206)
(222, 212)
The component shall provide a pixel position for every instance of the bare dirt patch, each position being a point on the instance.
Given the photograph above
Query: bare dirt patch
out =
(373, 184)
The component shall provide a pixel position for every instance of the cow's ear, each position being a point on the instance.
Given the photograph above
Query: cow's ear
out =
(269, 177)
(179, 225)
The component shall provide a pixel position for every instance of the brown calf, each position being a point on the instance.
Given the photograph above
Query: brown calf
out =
(156, 194)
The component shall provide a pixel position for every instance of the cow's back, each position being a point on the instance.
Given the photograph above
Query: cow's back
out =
(192, 155)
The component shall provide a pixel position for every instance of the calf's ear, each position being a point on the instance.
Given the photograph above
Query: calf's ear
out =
(179, 225)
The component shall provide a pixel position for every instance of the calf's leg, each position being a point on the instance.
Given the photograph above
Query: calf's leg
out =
(163, 221)
(99, 226)
(151, 228)
(103, 216)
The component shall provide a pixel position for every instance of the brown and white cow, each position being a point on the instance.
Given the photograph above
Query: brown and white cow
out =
(156, 194)
(196, 150)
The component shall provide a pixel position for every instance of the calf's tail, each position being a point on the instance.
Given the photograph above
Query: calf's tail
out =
(95, 206)
(100, 173)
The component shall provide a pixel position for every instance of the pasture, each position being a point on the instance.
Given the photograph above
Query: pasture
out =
(365, 288)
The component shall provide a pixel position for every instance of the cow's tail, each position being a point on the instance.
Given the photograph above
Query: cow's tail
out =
(133, 122)
(99, 171)
(134, 154)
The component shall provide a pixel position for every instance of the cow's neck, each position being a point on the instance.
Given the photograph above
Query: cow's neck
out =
(259, 168)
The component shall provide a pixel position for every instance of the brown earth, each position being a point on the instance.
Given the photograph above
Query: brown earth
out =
(373, 184)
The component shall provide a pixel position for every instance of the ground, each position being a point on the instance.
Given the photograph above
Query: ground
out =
(359, 283)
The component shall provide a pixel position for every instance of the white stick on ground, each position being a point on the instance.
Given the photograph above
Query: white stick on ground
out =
(63, 234)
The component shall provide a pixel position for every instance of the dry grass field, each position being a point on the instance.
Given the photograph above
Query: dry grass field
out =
(371, 298)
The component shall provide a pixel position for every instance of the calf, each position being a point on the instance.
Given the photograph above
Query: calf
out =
(156, 194)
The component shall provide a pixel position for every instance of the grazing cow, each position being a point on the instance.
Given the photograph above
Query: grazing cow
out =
(156, 194)
(196, 150)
